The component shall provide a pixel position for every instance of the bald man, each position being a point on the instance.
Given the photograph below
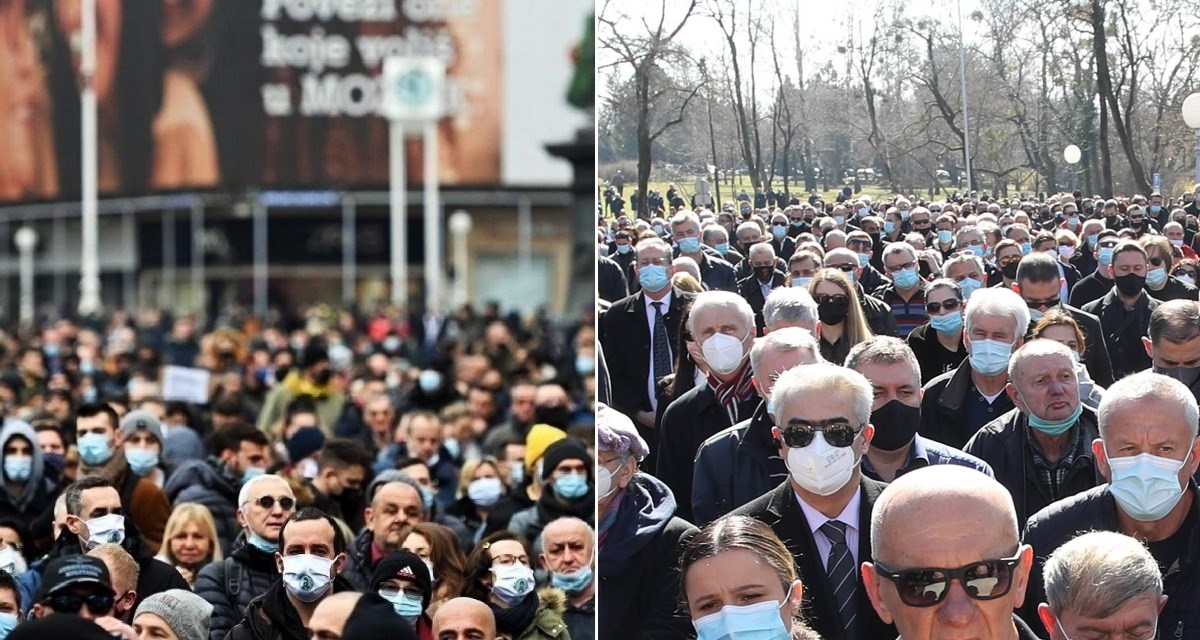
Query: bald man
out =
(329, 618)
(464, 619)
(568, 554)
(948, 522)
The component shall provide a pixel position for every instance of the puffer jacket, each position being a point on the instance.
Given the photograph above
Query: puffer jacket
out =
(548, 623)
(206, 483)
(232, 583)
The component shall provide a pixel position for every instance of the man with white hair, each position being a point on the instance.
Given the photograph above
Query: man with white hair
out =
(936, 571)
(742, 462)
(1041, 450)
(762, 280)
(1102, 582)
(717, 237)
(790, 307)
(722, 325)
(1147, 453)
(823, 414)
(968, 271)
(684, 264)
(958, 403)
(715, 273)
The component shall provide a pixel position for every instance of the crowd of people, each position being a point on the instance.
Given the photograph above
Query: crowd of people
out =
(878, 418)
(346, 476)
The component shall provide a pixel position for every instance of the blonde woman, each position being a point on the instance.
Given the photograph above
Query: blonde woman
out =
(190, 540)
(843, 323)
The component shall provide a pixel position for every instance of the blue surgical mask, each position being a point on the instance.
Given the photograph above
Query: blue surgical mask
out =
(990, 357)
(1073, 222)
(945, 236)
(571, 486)
(978, 250)
(689, 245)
(1146, 486)
(969, 286)
(8, 621)
(947, 324)
(427, 497)
(1026, 248)
(906, 278)
(1092, 237)
(864, 259)
(261, 543)
(141, 461)
(18, 468)
(1155, 208)
(406, 606)
(722, 247)
(759, 621)
(624, 248)
(94, 449)
(1105, 255)
(1156, 277)
(252, 472)
(840, 220)
(653, 277)
(801, 282)
(779, 229)
(572, 583)
(889, 226)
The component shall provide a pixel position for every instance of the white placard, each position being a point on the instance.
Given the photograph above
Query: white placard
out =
(185, 384)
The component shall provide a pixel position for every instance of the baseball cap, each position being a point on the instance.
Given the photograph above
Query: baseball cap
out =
(72, 570)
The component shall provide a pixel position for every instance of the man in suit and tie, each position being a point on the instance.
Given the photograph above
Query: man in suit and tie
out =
(639, 334)
(823, 511)
(763, 278)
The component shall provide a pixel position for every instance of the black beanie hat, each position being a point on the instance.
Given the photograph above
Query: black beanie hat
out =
(565, 449)
(374, 618)
(405, 565)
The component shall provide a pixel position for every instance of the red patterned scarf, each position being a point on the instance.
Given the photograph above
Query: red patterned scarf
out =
(739, 389)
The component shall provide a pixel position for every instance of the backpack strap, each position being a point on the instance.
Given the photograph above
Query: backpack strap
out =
(233, 580)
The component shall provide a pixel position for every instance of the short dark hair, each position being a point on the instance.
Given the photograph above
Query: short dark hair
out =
(1175, 321)
(232, 437)
(8, 582)
(74, 492)
(340, 453)
(404, 463)
(313, 513)
(93, 409)
(1037, 267)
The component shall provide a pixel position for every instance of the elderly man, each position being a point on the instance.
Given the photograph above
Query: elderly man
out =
(464, 619)
(1102, 583)
(742, 463)
(715, 273)
(1038, 283)
(1041, 450)
(722, 324)
(891, 367)
(394, 505)
(879, 315)
(823, 412)
(958, 403)
(1174, 342)
(931, 518)
(1148, 452)
(763, 278)
(790, 307)
(716, 237)
(1124, 312)
(568, 555)
(906, 293)
(640, 538)
(968, 271)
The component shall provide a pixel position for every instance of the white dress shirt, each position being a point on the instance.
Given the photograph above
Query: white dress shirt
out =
(849, 515)
(666, 307)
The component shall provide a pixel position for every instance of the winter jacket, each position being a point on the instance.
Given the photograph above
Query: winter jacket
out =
(548, 622)
(734, 467)
(270, 616)
(232, 583)
(638, 566)
(142, 499)
(944, 412)
(205, 482)
(38, 494)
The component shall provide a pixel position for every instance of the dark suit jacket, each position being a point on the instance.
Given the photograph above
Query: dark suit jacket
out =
(625, 336)
(1123, 331)
(780, 510)
(1095, 353)
(749, 289)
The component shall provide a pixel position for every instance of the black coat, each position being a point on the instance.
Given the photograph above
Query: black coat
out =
(230, 585)
(1089, 289)
(1123, 331)
(1095, 353)
(1174, 289)
(944, 409)
(780, 510)
(749, 289)
(689, 421)
(734, 467)
(934, 358)
(879, 315)
(625, 335)
(271, 616)
(611, 284)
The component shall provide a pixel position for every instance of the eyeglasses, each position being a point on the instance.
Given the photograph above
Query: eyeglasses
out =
(950, 304)
(859, 242)
(896, 268)
(97, 603)
(1048, 302)
(831, 298)
(1007, 260)
(838, 433)
(844, 268)
(268, 502)
(983, 580)
(919, 224)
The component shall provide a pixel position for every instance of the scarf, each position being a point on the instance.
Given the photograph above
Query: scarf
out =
(729, 394)
(513, 621)
(297, 385)
(550, 507)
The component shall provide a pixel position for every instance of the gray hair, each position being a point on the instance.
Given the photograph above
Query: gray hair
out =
(244, 494)
(684, 217)
(706, 300)
(653, 243)
(1096, 573)
(1036, 348)
(790, 306)
(998, 302)
(1148, 385)
(706, 234)
(884, 350)
(822, 379)
(896, 247)
(567, 521)
(749, 224)
(687, 265)
(841, 251)
(784, 340)
(961, 258)
(760, 249)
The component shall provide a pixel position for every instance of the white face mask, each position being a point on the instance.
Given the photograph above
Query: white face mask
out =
(821, 468)
(105, 529)
(307, 577)
(723, 353)
(11, 561)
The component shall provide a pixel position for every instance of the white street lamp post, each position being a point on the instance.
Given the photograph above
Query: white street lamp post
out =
(89, 281)
(460, 228)
(1191, 116)
(1072, 155)
(26, 240)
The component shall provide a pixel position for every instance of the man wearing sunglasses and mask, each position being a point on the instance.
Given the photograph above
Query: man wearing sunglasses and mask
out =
(1148, 452)
(936, 571)
(80, 585)
(822, 412)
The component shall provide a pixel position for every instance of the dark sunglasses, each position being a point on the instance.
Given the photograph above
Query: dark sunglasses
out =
(97, 603)
(983, 580)
(949, 305)
(837, 433)
(1007, 260)
(920, 224)
(1156, 261)
(1048, 302)
(831, 298)
(859, 242)
(268, 502)
(844, 268)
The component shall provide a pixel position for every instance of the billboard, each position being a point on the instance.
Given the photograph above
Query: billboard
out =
(234, 94)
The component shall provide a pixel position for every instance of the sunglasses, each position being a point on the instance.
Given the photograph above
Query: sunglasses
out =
(831, 298)
(838, 433)
(1048, 302)
(984, 580)
(1007, 260)
(859, 242)
(97, 603)
(844, 268)
(1156, 261)
(951, 304)
(268, 502)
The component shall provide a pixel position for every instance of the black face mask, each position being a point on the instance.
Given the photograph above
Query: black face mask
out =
(1186, 375)
(1130, 284)
(555, 416)
(832, 312)
(895, 425)
(1010, 270)
(763, 273)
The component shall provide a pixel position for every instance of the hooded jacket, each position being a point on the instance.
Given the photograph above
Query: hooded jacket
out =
(638, 566)
(205, 482)
(37, 495)
(232, 583)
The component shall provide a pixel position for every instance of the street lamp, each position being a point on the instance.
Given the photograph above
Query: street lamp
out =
(1191, 117)
(460, 228)
(1072, 154)
(26, 240)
